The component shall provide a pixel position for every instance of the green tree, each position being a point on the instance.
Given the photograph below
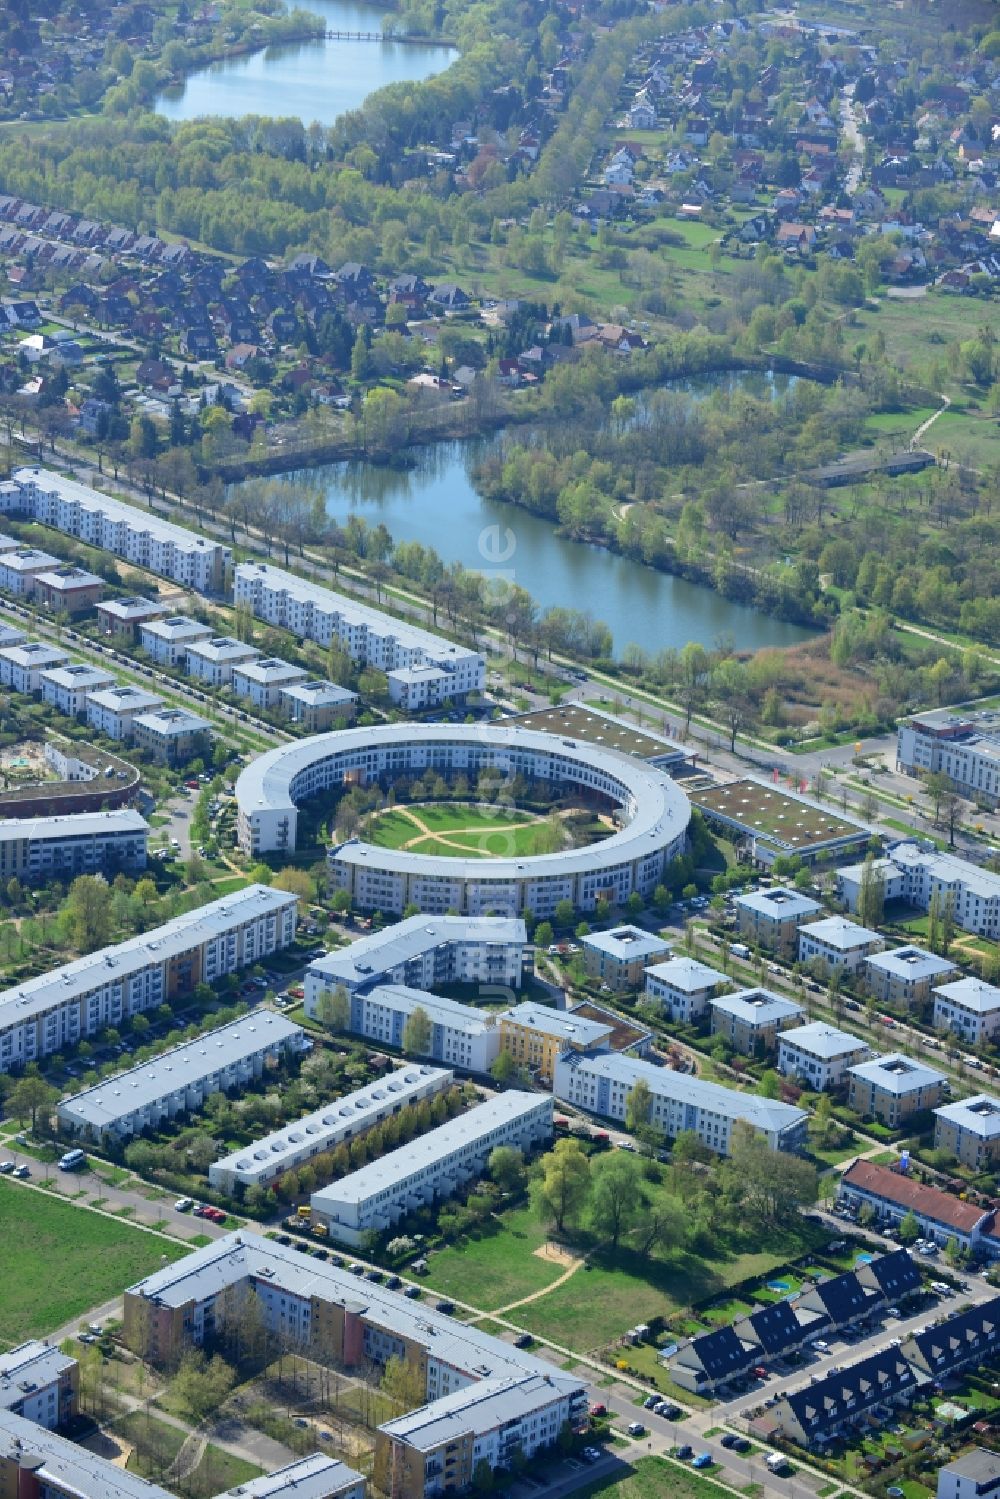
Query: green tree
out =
(417, 1032)
(201, 1384)
(404, 1382)
(561, 1189)
(871, 894)
(563, 914)
(86, 913)
(333, 1009)
(616, 1196)
(638, 1107)
(771, 1184)
(29, 1096)
(504, 1070)
(506, 1167)
(543, 934)
(909, 1229)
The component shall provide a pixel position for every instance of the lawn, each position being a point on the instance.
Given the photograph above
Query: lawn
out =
(654, 1478)
(57, 1261)
(493, 1270)
(156, 1444)
(459, 831)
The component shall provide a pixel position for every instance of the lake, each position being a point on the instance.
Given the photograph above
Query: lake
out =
(309, 80)
(436, 503)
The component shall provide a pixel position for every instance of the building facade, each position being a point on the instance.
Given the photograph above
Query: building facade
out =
(771, 918)
(916, 874)
(892, 1089)
(620, 957)
(819, 1055)
(683, 987)
(536, 1036)
(36, 849)
(905, 975)
(841, 945)
(166, 641)
(970, 1130)
(39, 1383)
(171, 736)
(968, 1007)
(752, 1019)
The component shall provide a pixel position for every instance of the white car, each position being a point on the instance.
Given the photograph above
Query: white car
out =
(184, 1204)
(6, 1167)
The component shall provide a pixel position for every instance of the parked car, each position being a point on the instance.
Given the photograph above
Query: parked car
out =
(22, 1171)
(685, 1453)
(184, 1204)
(703, 1460)
(599, 1409)
(444, 1306)
(636, 1429)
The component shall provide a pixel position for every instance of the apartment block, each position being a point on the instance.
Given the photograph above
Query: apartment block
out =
(968, 1007)
(751, 1019)
(424, 952)
(963, 746)
(337, 1123)
(39, 1383)
(318, 705)
(36, 849)
(40, 1464)
(905, 975)
(213, 659)
(20, 568)
(683, 987)
(842, 945)
(181, 1079)
(941, 1215)
(113, 710)
(537, 1035)
(167, 640)
(314, 1477)
(892, 1089)
(132, 534)
(915, 873)
(171, 736)
(368, 635)
(413, 688)
(21, 665)
(68, 687)
(619, 958)
(122, 618)
(460, 1035)
(819, 1055)
(771, 918)
(970, 1130)
(262, 681)
(68, 590)
(42, 1015)
(972, 1475)
(602, 1084)
(432, 1167)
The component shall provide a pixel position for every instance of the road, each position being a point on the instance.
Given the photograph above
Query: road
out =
(849, 125)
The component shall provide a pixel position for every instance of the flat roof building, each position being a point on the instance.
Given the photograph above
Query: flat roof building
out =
(130, 533)
(59, 1008)
(423, 952)
(313, 1477)
(620, 956)
(751, 1019)
(968, 1007)
(683, 987)
(68, 590)
(905, 975)
(837, 942)
(36, 849)
(432, 1167)
(324, 1129)
(964, 746)
(37, 1462)
(19, 570)
(67, 688)
(892, 1089)
(914, 873)
(21, 665)
(113, 710)
(972, 1475)
(368, 635)
(602, 1084)
(167, 640)
(595, 726)
(318, 705)
(970, 1130)
(181, 1079)
(819, 1055)
(462, 1036)
(40, 1383)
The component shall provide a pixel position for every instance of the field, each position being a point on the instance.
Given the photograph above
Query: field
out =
(155, 1445)
(604, 1295)
(769, 812)
(58, 1261)
(654, 1478)
(461, 832)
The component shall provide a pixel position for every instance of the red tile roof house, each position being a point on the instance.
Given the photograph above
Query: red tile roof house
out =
(941, 1215)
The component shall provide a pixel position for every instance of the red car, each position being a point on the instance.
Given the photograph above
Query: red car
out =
(760, 1372)
(598, 1410)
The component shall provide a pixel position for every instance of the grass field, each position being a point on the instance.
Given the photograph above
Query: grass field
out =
(156, 1444)
(654, 1478)
(58, 1261)
(461, 832)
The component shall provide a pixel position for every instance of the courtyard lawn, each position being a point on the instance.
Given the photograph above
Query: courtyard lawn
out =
(495, 1269)
(58, 1261)
(461, 831)
(654, 1478)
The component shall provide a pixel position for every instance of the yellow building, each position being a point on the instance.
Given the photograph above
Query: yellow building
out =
(535, 1036)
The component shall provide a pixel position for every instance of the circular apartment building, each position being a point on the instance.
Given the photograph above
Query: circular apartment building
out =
(651, 808)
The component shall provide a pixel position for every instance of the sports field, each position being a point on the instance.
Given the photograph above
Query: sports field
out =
(58, 1261)
(464, 831)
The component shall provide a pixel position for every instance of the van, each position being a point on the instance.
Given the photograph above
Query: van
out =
(739, 950)
(776, 1463)
(71, 1160)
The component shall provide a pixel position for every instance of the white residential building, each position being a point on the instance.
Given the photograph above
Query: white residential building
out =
(819, 1055)
(318, 705)
(602, 1084)
(10, 635)
(963, 746)
(314, 1477)
(683, 987)
(113, 710)
(425, 952)
(36, 849)
(42, 1015)
(132, 534)
(752, 1019)
(970, 1130)
(167, 640)
(461, 1035)
(368, 635)
(171, 735)
(772, 917)
(432, 1167)
(212, 660)
(181, 1079)
(415, 687)
(39, 1383)
(914, 873)
(970, 1008)
(262, 681)
(840, 944)
(892, 1088)
(68, 687)
(336, 1123)
(973, 1475)
(905, 975)
(21, 665)
(18, 570)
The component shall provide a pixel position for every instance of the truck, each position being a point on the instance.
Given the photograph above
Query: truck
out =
(305, 1212)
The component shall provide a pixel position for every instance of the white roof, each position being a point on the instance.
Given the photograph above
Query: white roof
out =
(171, 722)
(77, 674)
(626, 943)
(822, 1041)
(837, 931)
(566, 1025)
(972, 994)
(314, 1477)
(947, 869)
(488, 1406)
(71, 825)
(90, 499)
(757, 1007)
(978, 1116)
(780, 904)
(63, 1467)
(33, 653)
(466, 1130)
(911, 963)
(686, 975)
(177, 627)
(68, 578)
(29, 1366)
(123, 697)
(133, 608)
(319, 694)
(380, 952)
(29, 560)
(223, 648)
(897, 1074)
(268, 670)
